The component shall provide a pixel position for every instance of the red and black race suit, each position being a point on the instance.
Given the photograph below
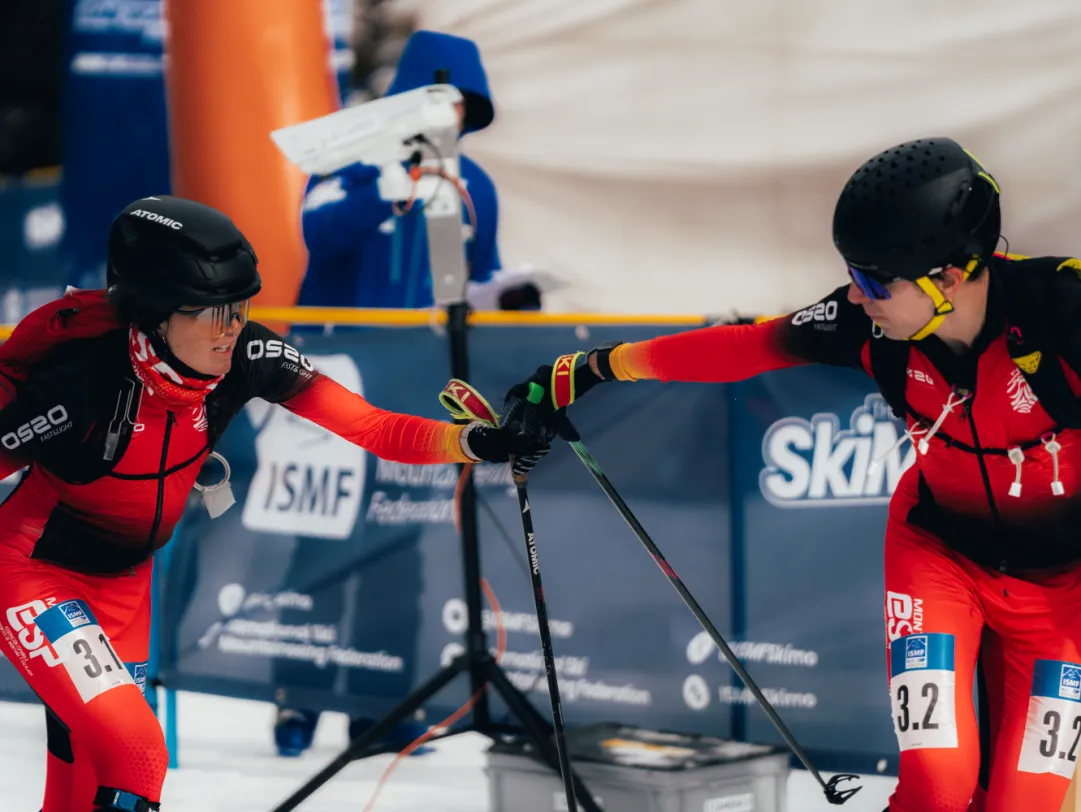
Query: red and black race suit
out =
(960, 489)
(111, 466)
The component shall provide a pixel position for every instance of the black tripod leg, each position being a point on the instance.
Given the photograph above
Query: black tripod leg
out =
(538, 730)
(406, 709)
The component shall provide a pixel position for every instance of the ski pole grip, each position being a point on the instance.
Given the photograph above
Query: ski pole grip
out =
(565, 429)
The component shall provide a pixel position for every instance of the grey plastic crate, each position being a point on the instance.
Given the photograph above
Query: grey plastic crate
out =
(631, 770)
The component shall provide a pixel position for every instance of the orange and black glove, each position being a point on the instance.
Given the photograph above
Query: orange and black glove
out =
(562, 383)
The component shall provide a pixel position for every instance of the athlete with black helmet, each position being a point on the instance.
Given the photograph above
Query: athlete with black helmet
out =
(114, 399)
(978, 352)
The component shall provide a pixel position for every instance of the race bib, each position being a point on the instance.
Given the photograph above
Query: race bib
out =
(922, 691)
(83, 649)
(1054, 719)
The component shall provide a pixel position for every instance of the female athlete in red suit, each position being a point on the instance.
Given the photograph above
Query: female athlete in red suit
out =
(114, 400)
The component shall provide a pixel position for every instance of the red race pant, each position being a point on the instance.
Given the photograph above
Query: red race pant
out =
(80, 642)
(940, 607)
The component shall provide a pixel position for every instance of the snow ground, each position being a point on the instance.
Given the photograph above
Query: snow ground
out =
(228, 764)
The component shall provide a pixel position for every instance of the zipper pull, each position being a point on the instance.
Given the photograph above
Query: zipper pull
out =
(112, 440)
(1053, 447)
(1017, 457)
(966, 400)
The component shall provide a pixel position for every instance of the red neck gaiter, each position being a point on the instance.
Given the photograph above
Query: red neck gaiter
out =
(162, 380)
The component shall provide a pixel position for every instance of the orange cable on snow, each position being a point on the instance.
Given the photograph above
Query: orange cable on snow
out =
(501, 647)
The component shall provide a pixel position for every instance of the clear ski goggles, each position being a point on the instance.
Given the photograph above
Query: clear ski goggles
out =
(219, 318)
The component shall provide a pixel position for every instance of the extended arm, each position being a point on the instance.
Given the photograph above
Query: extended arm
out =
(389, 435)
(279, 373)
(719, 354)
(832, 331)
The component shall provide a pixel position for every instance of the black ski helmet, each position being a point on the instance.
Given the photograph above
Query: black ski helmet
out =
(915, 207)
(167, 252)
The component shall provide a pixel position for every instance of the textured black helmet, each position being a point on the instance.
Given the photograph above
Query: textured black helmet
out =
(915, 207)
(167, 252)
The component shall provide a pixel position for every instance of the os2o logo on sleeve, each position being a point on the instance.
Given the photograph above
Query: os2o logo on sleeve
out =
(275, 348)
(823, 311)
(43, 424)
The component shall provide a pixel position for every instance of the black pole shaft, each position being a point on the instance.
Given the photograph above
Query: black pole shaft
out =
(537, 730)
(475, 639)
(692, 604)
(546, 641)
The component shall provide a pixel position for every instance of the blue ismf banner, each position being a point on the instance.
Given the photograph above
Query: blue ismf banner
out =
(336, 581)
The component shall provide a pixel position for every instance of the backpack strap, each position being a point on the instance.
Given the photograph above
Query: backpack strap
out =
(1030, 338)
(889, 368)
(78, 314)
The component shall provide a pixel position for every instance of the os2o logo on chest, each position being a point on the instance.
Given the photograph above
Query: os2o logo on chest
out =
(275, 348)
(46, 426)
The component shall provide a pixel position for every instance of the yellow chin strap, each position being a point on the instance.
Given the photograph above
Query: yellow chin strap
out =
(943, 306)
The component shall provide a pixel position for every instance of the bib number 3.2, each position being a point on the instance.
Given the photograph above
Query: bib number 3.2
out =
(922, 683)
(1053, 731)
(83, 649)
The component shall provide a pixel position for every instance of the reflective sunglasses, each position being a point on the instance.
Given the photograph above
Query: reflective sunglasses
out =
(873, 287)
(220, 317)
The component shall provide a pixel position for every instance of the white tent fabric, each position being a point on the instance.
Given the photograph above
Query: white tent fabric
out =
(684, 156)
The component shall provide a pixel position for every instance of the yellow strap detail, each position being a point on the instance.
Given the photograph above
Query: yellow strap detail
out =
(943, 306)
(992, 181)
(1072, 264)
(466, 403)
(564, 366)
(927, 329)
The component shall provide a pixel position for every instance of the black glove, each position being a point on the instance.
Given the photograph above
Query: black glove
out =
(500, 443)
(564, 382)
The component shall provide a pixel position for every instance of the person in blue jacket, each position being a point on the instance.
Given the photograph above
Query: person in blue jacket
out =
(360, 253)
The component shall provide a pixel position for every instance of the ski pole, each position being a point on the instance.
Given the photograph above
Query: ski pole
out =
(463, 401)
(570, 434)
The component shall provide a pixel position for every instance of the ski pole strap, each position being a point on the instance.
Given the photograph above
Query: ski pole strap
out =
(562, 384)
(466, 403)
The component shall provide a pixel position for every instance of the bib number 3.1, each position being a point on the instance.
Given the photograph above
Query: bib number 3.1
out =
(922, 683)
(83, 649)
(1053, 731)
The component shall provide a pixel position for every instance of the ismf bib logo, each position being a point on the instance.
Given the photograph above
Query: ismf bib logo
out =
(1070, 682)
(815, 463)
